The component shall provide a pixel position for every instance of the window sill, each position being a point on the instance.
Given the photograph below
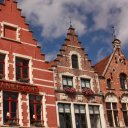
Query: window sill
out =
(110, 88)
(13, 126)
(11, 39)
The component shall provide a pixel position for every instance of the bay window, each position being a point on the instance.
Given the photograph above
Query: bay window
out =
(65, 115)
(22, 70)
(95, 116)
(10, 108)
(35, 105)
(80, 116)
(2, 66)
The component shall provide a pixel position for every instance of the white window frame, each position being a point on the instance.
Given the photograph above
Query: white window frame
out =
(10, 25)
(6, 53)
(30, 66)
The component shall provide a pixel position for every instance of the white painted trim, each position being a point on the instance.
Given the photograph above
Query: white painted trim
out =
(3, 23)
(110, 59)
(6, 63)
(28, 110)
(1, 107)
(39, 69)
(43, 80)
(73, 115)
(79, 69)
(30, 66)
(51, 105)
(20, 109)
(88, 116)
(42, 85)
(67, 74)
(86, 77)
(38, 60)
(45, 111)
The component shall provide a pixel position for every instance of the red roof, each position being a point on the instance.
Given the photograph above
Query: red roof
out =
(100, 67)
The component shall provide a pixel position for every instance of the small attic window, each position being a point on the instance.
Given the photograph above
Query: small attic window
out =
(10, 32)
(74, 61)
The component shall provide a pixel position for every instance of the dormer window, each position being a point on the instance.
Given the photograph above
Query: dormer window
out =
(123, 81)
(22, 70)
(85, 83)
(2, 66)
(67, 81)
(74, 61)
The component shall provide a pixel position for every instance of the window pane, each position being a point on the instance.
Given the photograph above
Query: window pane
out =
(110, 119)
(116, 118)
(108, 105)
(114, 105)
(85, 83)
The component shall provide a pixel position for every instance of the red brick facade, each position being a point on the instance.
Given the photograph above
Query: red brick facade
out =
(74, 76)
(113, 83)
(17, 42)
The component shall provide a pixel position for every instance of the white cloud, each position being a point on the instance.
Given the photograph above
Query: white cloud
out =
(52, 15)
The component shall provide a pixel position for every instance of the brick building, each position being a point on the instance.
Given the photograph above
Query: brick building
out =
(76, 87)
(113, 71)
(26, 84)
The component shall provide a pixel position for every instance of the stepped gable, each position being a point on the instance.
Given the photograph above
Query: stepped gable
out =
(71, 45)
(8, 12)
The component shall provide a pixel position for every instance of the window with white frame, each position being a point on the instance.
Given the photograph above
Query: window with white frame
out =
(95, 116)
(67, 81)
(10, 32)
(22, 70)
(35, 105)
(80, 116)
(10, 108)
(2, 66)
(65, 120)
(112, 114)
(125, 113)
(85, 83)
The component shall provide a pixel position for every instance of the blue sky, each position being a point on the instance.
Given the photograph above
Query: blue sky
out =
(92, 19)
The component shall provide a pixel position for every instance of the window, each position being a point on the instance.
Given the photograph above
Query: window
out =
(123, 81)
(80, 116)
(10, 32)
(109, 84)
(65, 116)
(74, 61)
(125, 113)
(35, 105)
(2, 66)
(67, 81)
(94, 116)
(112, 114)
(22, 70)
(10, 105)
(85, 83)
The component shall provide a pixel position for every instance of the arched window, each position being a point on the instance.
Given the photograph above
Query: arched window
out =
(74, 61)
(123, 81)
(109, 83)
